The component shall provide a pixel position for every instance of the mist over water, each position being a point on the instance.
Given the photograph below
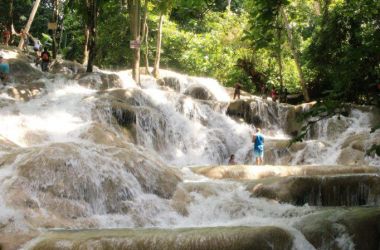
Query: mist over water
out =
(172, 128)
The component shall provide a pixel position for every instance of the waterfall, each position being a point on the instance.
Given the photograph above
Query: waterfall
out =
(76, 157)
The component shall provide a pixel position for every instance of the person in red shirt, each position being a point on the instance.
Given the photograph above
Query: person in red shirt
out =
(274, 94)
(45, 60)
(6, 37)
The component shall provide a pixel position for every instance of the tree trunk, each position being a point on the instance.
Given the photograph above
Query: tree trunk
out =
(9, 23)
(147, 48)
(279, 59)
(134, 14)
(144, 36)
(92, 11)
(295, 55)
(30, 21)
(156, 68)
(85, 46)
(228, 5)
(55, 19)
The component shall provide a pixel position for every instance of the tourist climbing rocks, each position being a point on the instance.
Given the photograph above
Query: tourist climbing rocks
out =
(37, 49)
(6, 37)
(274, 94)
(237, 90)
(4, 70)
(45, 60)
(232, 161)
(258, 147)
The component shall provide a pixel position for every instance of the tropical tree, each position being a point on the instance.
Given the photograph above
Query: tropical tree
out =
(268, 19)
(164, 8)
(134, 7)
(29, 23)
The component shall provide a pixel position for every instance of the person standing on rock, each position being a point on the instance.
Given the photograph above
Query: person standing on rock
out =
(237, 90)
(258, 147)
(45, 60)
(4, 70)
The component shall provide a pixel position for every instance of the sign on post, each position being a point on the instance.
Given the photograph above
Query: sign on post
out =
(134, 44)
(52, 26)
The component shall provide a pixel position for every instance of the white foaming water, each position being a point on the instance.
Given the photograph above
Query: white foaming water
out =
(331, 135)
(61, 115)
(182, 130)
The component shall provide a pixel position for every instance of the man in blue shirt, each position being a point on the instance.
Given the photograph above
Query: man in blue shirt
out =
(4, 69)
(258, 147)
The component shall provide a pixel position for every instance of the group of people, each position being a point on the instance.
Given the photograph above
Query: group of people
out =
(273, 94)
(257, 149)
(41, 57)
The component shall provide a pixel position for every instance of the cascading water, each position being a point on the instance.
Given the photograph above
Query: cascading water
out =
(71, 165)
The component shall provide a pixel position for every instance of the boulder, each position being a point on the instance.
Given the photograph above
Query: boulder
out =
(264, 113)
(25, 92)
(99, 81)
(67, 67)
(353, 228)
(338, 190)
(63, 184)
(21, 72)
(223, 238)
(199, 92)
(172, 82)
(246, 172)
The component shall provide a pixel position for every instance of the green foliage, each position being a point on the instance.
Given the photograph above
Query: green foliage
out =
(345, 52)
(73, 41)
(213, 53)
(339, 41)
(113, 39)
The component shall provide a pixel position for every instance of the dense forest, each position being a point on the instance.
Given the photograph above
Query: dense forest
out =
(320, 49)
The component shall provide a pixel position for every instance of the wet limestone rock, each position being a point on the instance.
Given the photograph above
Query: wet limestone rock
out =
(101, 134)
(25, 92)
(338, 190)
(246, 172)
(354, 149)
(82, 179)
(265, 113)
(352, 228)
(223, 238)
(124, 113)
(99, 81)
(67, 67)
(21, 72)
(172, 82)
(199, 92)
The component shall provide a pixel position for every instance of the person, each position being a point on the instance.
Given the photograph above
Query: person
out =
(237, 90)
(24, 35)
(263, 91)
(4, 69)
(285, 95)
(45, 60)
(6, 37)
(258, 147)
(37, 45)
(274, 94)
(37, 48)
(232, 161)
